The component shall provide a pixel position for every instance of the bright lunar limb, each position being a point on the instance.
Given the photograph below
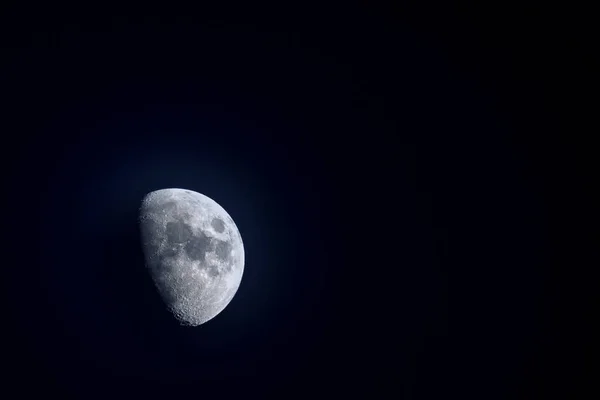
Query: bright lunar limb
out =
(193, 251)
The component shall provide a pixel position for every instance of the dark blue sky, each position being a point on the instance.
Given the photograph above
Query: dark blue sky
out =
(384, 170)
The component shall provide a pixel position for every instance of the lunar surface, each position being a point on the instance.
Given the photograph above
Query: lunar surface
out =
(193, 251)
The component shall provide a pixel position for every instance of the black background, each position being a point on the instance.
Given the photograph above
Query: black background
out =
(410, 200)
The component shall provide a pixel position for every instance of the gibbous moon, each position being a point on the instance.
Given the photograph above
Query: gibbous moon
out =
(193, 251)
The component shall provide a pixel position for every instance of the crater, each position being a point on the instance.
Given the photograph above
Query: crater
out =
(218, 225)
(178, 232)
(169, 252)
(166, 206)
(164, 269)
(213, 271)
(152, 249)
(148, 228)
(223, 249)
(197, 247)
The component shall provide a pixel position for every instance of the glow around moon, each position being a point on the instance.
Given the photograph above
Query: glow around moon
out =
(193, 251)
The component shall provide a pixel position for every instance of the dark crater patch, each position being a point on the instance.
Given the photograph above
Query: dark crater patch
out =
(168, 253)
(166, 206)
(148, 228)
(218, 225)
(178, 232)
(197, 247)
(151, 249)
(213, 271)
(223, 249)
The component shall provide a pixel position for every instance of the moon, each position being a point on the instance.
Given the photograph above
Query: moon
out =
(193, 251)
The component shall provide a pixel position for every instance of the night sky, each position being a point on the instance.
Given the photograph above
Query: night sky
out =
(398, 175)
